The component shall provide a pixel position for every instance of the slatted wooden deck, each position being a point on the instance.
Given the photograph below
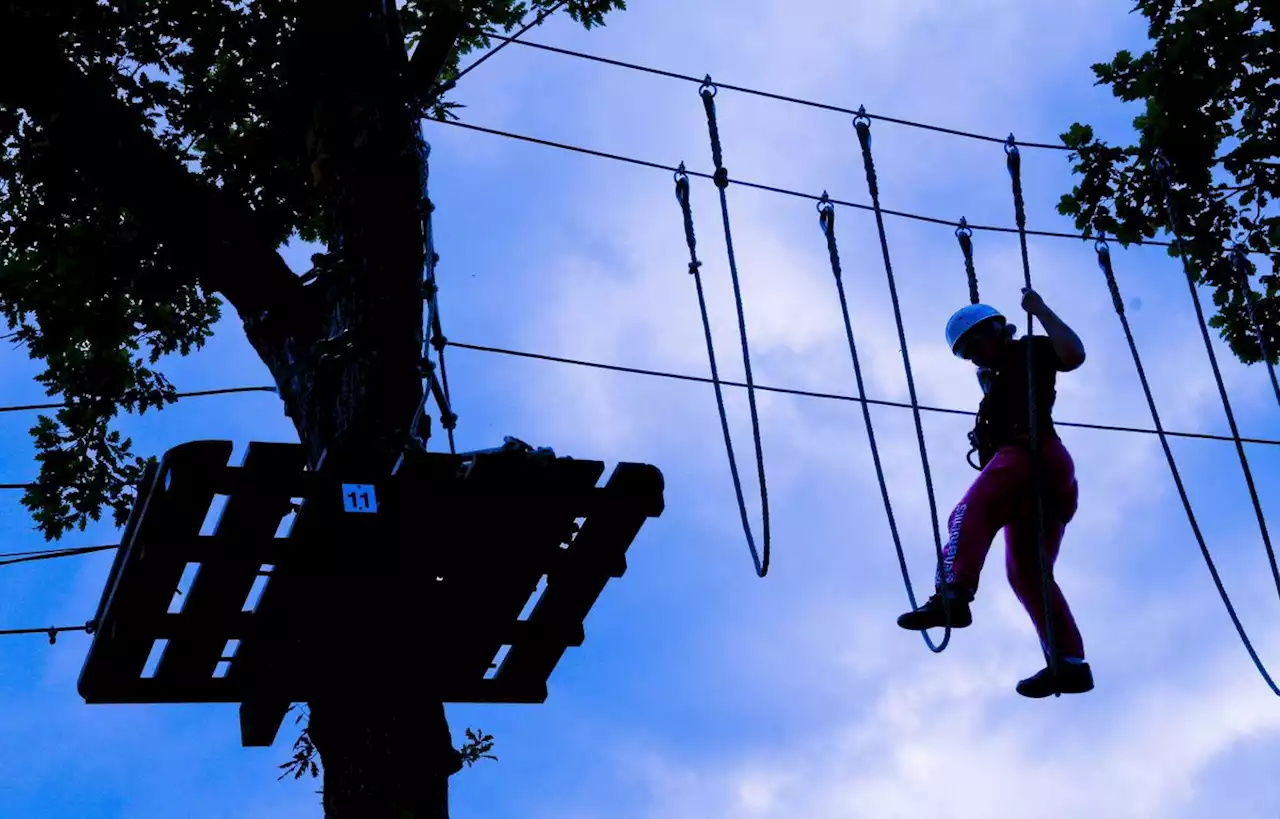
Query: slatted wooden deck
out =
(441, 571)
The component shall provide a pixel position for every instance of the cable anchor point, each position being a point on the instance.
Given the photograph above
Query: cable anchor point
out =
(862, 119)
(963, 230)
(708, 88)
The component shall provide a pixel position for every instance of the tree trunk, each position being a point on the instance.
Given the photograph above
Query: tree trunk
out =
(382, 736)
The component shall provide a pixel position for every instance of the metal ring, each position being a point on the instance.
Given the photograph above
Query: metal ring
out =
(964, 229)
(825, 204)
(681, 173)
(708, 85)
(862, 118)
(1101, 246)
(1010, 146)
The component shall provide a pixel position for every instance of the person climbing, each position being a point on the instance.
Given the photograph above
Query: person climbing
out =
(1002, 496)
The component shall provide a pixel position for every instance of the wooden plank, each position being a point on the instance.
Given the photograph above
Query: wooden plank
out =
(176, 505)
(534, 531)
(222, 584)
(635, 492)
(148, 691)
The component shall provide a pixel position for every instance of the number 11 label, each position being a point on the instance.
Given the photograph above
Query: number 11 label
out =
(359, 497)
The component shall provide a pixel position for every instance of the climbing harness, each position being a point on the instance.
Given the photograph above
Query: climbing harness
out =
(1240, 263)
(964, 235)
(759, 557)
(862, 124)
(433, 337)
(1104, 262)
(827, 221)
(1163, 171)
(1013, 160)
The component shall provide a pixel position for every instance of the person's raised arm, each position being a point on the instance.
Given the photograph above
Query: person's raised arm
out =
(1066, 343)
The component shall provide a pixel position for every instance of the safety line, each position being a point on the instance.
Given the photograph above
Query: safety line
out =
(644, 163)
(741, 89)
(1013, 160)
(828, 396)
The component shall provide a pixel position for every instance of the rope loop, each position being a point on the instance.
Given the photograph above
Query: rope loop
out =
(1104, 261)
(863, 127)
(721, 178)
(1162, 168)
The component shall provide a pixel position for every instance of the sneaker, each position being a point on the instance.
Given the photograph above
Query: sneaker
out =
(1073, 678)
(933, 615)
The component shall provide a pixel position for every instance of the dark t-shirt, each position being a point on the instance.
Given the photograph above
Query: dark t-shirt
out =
(1003, 416)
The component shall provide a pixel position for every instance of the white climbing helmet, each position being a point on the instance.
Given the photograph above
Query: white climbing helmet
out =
(965, 319)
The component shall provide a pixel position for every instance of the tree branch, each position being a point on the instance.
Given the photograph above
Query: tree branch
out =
(439, 39)
(110, 146)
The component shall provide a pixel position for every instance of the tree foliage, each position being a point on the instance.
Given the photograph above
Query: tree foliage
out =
(99, 295)
(1210, 90)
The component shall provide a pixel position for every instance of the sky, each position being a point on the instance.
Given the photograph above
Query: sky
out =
(702, 690)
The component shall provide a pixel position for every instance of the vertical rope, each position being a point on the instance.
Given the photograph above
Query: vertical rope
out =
(862, 124)
(1104, 262)
(1163, 171)
(1240, 263)
(827, 220)
(964, 234)
(434, 336)
(1013, 160)
(761, 557)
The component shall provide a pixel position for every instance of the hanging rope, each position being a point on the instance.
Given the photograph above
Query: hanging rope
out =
(1163, 171)
(1013, 160)
(761, 557)
(964, 234)
(1240, 262)
(1104, 262)
(827, 220)
(862, 124)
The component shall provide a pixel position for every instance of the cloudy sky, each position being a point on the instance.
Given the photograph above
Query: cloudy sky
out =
(702, 690)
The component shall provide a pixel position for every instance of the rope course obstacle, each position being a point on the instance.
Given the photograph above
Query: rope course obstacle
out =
(130, 615)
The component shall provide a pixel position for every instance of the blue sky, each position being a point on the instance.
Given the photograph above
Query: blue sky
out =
(702, 690)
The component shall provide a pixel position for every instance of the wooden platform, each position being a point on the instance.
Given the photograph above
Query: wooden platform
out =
(425, 571)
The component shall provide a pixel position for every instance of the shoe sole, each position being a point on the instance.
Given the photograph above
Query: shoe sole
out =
(1072, 690)
(964, 624)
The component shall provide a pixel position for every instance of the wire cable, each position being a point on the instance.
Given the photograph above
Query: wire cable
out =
(764, 94)
(52, 632)
(644, 163)
(52, 554)
(506, 41)
(1104, 262)
(828, 396)
(180, 395)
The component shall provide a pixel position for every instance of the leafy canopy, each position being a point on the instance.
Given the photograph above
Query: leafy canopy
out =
(98, 295)
(1210, 85)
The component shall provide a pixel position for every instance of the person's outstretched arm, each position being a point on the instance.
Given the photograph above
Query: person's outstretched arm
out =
(1066, 343)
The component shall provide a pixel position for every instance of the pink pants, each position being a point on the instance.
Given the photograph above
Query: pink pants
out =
(1001, 498)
